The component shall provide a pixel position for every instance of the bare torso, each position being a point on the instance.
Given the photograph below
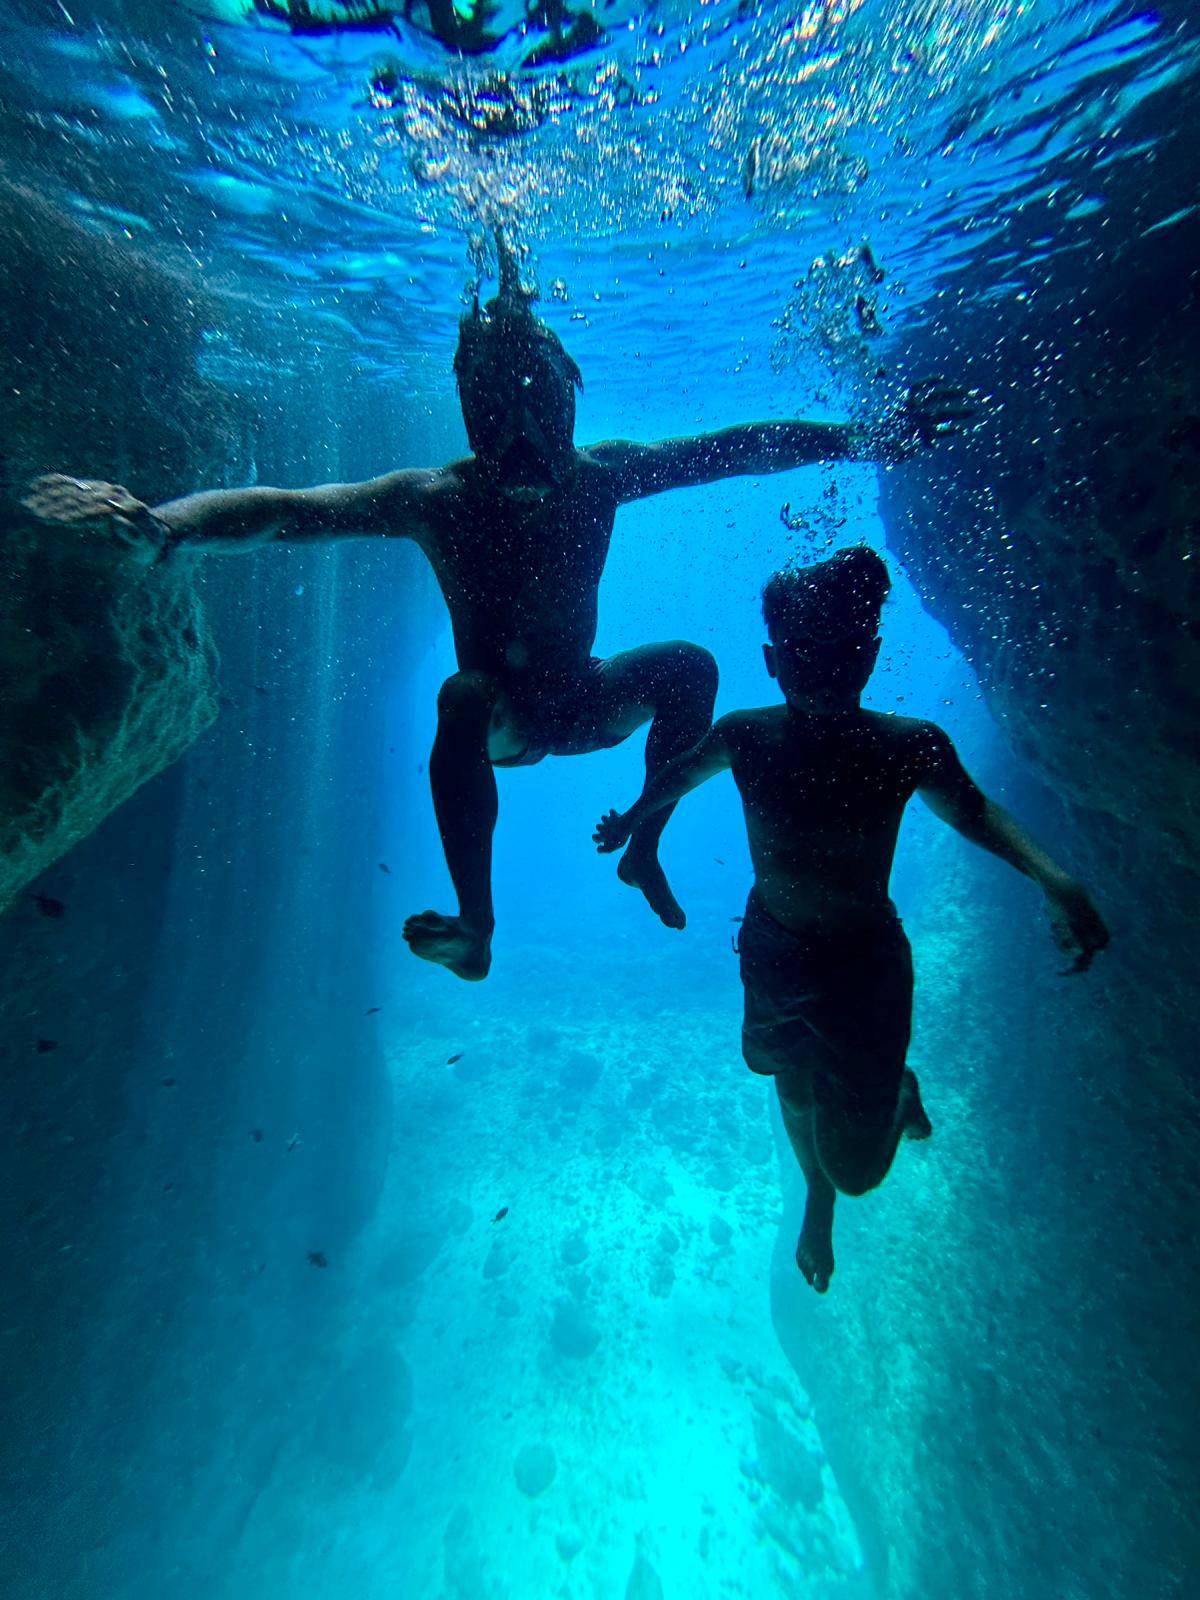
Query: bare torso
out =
(521, 578)
(823, 797)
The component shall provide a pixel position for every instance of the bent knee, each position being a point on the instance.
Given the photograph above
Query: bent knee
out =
(467, 697)
(856, 1160)
(855, 1182)
(690, 666)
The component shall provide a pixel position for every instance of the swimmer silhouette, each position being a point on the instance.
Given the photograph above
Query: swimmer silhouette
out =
(825, 962)
(517, 535)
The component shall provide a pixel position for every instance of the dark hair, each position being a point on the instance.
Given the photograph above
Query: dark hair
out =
(507, 325)
(835, 599)
(510, 328)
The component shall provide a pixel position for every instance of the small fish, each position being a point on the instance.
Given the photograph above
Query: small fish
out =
(317, 1258)
(457, 1056)
(44, 1046)
(383, 867)
(371, 1010)
(258, 689)
(168, 1083)
(501, 1214)
(257, 1135)
(48, 905)
(718, 860)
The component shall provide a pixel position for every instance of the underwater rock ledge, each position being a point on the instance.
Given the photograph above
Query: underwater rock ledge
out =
(109, 673)
(107, 667)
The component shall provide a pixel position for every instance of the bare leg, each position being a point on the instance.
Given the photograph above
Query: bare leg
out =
(834, 1157)
(814, 1249)
(676, 685)
(855, 1161)
(464, 799)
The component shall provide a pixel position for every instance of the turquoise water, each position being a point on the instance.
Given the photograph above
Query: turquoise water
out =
(355, 1281)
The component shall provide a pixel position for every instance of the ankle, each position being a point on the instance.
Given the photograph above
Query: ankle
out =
(641, 850)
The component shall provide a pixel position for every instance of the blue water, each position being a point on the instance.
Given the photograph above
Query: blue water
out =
(613, 1389)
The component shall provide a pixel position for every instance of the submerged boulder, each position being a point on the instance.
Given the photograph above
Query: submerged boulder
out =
(107, 667)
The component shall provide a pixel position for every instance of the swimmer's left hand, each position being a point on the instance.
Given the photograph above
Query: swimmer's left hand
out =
(612, 831)
(1078, 928)
(931, 410)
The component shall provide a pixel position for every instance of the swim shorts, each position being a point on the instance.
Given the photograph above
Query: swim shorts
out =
(838, 1006)
(559, 714)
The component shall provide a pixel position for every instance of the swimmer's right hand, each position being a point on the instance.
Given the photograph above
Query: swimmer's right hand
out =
(612, 831)
(1078, 928)
(103, 508)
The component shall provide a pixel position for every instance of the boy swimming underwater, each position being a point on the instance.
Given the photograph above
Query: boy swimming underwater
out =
(825, 962)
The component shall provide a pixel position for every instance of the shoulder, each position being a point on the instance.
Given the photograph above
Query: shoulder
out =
(908, 733)
(740, 731)
(607, 454)
(925, 749)
(456, 478)
(440, 489)
(615, 467)
(606, 460)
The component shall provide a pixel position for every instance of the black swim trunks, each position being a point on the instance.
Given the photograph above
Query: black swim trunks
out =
(839, 1006)
(560, 714)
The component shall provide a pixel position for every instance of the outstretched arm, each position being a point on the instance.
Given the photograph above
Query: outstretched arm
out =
(232, 520)
(671, 783)
(929, 411)
(951, 794)
(640, 470)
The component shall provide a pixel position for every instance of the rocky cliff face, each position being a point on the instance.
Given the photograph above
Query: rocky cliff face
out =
(107, 668)
(1061, 547)
(1004, 1388)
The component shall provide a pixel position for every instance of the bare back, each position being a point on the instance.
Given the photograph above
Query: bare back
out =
(823, 798)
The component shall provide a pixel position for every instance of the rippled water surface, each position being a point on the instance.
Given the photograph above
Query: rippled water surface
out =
(343, 164)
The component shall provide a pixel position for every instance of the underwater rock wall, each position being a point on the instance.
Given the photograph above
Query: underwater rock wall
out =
(1004, 1390)
(107, 667)
(1060, 546)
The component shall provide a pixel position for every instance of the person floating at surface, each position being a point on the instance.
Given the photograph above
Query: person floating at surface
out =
(825, 962)
(517, 535)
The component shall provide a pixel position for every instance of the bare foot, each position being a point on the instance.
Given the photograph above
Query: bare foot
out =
(450, 942)
(912, 1116)
(645, 873)
(814, 1251)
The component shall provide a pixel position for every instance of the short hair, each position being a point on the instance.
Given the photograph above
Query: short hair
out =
(839, 598)
(502, 326)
